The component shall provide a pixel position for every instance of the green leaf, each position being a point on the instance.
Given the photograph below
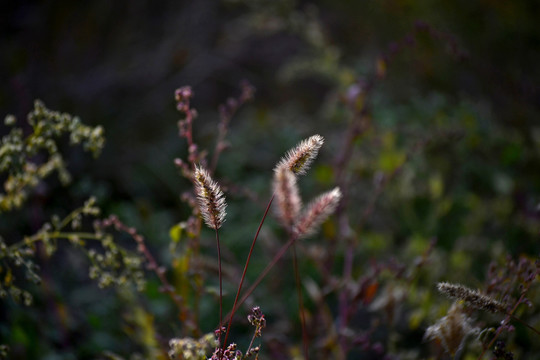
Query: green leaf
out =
(176, 231)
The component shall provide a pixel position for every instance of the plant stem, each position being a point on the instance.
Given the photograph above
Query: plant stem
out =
(185, 315)
(500, 329)
(524, 323)
(300, 303)
(251, 342)
(57, 235)
(265, 272)
(220, 285)
(236, 304)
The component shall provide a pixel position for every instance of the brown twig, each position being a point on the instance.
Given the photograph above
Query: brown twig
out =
(226, 113)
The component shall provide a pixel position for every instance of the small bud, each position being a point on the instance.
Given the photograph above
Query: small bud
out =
(183, 93)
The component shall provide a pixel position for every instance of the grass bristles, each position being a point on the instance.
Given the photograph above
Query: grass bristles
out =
(451, 330)
(287, 197)
(300, 157)
(472, 298)
(210, 198)
(316, 212)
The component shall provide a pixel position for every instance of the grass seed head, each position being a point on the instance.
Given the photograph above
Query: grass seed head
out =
(451, 330)
(317, 212)
(210, 199)
(300, 158)
(472, 298)
(287, 196)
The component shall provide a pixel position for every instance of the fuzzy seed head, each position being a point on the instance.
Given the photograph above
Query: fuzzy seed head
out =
(317, 212)
(300, 158)
(210, 199)
(451, 330)
(288, 199)
(473, 298)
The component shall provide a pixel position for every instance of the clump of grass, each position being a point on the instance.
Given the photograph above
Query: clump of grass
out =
(451, 330)
(115, 265)
(295, 162)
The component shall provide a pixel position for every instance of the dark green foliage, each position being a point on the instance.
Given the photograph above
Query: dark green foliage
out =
(430, 117)
(21, 157)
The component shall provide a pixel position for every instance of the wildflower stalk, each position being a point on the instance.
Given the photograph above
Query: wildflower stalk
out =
(226, 113)
(183, 97)
(256, 318)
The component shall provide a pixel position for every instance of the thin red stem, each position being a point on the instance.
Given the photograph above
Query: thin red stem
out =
(220, 285)
(265, 272)
(525, 324)
(500, 329)
(236, 304)
(300, 303)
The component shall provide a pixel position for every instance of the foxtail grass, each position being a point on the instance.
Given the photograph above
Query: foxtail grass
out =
(295, 162)
(212, 207)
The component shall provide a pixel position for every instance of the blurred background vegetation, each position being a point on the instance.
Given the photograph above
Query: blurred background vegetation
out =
(430, 113)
